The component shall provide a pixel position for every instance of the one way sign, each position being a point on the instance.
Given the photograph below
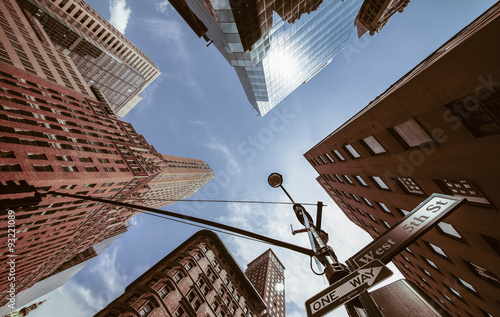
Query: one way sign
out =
(348, 287)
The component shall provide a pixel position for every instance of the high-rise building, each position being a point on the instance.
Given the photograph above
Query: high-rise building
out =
(57, 133)
(267, 274)
(273, 46)
(436, 130)
(198, 278)
(374, 14)
(104, 57)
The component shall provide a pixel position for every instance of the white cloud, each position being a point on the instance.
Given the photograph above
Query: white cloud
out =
(110, 272)
(162, 6)
(120, 14)
(226, 152)
(165, 31)
(135, 221)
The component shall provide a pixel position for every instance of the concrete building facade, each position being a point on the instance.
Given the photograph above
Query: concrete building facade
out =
(436, 130)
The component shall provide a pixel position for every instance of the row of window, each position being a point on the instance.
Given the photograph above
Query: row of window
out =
(459, 282)
(65, 168)
(480, 115)
(460, 188)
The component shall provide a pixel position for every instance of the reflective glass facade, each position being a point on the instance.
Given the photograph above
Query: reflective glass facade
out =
(294, 47)
(291, 53)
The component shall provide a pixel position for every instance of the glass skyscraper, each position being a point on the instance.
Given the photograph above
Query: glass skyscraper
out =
(274, 47)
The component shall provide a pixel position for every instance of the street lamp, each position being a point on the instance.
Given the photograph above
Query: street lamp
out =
(323, 253)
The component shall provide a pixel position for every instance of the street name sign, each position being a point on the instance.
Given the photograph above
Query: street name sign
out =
(347, 288)
(407, 230)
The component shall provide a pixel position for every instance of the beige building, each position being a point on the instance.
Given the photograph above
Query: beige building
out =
(103, 55)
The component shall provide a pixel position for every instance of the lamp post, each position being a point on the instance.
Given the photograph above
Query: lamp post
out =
(318, 238)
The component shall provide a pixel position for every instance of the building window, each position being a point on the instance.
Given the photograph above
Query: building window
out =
(379, 182)
(37, 156)
(464, 188)
(437, 250)
(317, 162)
(431, 264)
(352, 151)
(448, 230)
(355, 198)
(146, 310)
(188, 266)
(373, 146)
(412, 133)
(178, 277)
(383, 207)
(7, 154)
(483, 273)
(197, 257)
(348, 179)
(109, 169)
(480, 116)
(367, 201)
(360, 212)
(409, 186)
(329, 158)
(91, 169)
(164, 292)
(64, 158)
(85, 159)
(322, 159)
(372, 218)
(338, 178)
(361, 180)
(456, 293)
(466, 285)
(179, 312)
(43, 168)
(338, 155)
(69, 168)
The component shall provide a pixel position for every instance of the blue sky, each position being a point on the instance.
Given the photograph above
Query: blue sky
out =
(198, 109)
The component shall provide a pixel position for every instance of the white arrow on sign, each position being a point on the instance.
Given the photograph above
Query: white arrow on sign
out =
(347, 288)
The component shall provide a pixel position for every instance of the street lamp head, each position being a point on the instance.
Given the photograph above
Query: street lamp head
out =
(275, 180)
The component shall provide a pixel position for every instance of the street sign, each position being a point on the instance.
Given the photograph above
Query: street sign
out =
(407, 230)
(347, 288)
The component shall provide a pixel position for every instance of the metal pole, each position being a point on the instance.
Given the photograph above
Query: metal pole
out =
(290, 197)
(279, 243)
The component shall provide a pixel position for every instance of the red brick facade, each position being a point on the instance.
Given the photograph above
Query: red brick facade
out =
(436, 130)
(199, 278)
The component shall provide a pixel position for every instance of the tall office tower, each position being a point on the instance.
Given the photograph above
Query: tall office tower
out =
(267, 274)
(56, 133)
(179, 178)
(273, 46)
(374, 14)
(104, 56)
(198, 278)
(436, 130)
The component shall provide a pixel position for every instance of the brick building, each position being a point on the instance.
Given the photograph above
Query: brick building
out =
(198, 278)
(267, 274)
(436, 130)
(57, 133)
